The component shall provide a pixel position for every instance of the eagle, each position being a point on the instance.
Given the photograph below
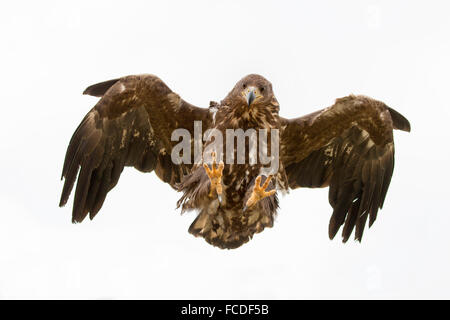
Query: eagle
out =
(347, 147)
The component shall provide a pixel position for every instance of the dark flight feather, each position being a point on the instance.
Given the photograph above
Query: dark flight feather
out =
(99, 89)
(400, 122)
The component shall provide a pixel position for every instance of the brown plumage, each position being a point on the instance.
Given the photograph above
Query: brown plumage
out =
(348, 147)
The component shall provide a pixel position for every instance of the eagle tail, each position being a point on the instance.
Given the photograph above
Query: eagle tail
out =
(229, 232)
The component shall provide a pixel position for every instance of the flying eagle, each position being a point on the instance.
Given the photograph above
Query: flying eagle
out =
(347, 147)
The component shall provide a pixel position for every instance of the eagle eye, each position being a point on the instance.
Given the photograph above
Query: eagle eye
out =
(244, 86)
(261, 89)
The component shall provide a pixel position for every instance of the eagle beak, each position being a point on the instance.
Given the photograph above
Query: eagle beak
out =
(251, 95)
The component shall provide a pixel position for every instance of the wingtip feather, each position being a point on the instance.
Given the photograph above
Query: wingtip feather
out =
(99, 89)
(399, 121)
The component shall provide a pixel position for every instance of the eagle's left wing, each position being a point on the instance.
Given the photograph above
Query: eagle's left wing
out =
(348, 147)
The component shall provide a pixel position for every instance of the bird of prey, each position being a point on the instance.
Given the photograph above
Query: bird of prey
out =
(347, 147)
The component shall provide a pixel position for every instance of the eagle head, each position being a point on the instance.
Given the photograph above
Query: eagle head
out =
(251, 92)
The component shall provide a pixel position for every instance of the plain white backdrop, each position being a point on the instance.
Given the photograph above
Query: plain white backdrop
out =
(138, 245)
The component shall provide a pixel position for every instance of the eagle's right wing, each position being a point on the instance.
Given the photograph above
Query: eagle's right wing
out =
(131, 125)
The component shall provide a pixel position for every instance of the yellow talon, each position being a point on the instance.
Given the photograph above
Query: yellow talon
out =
(215, 176)
(259, 192)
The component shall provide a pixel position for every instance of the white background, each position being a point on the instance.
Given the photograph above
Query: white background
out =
(138, 245)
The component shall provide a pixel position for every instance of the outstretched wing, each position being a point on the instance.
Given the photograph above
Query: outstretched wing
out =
(348, 147)
(131, 125)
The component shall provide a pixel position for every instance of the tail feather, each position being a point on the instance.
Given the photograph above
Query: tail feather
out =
(232, 229)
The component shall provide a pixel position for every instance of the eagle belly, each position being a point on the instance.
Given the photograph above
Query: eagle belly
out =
(226, 225)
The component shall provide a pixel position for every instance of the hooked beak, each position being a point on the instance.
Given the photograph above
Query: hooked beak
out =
(250, 96)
